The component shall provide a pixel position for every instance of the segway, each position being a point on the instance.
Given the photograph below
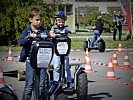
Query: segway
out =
(41, 56)
(99, 46)
(62, 49)
(7, 93)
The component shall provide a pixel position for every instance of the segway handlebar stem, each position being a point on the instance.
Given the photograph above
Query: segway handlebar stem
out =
(39, 36)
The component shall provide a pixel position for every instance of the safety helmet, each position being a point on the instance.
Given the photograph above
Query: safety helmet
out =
(61, 15)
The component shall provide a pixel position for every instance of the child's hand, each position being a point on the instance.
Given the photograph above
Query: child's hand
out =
(73, 31)
(93, 27)
(33, 35)
(52, 34)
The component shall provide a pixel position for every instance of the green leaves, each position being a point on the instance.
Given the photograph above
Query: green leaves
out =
(14, 17)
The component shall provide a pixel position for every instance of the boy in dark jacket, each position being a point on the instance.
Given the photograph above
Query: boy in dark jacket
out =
(35, 28)
(97, 31)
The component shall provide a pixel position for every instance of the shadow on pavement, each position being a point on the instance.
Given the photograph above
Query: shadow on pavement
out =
(99, 96)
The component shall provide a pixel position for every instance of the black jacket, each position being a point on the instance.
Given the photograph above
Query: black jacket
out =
(27, 43)
(99, 25)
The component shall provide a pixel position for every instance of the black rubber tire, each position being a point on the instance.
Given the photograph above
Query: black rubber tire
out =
(7, 93)
(101, 46)
(6, 96)
(61, 96)
(85, 45)
(82, 86)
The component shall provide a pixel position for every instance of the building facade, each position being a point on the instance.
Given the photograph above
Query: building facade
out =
(76, 8)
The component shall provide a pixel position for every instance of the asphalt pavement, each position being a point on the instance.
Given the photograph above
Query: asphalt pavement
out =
(98, 87)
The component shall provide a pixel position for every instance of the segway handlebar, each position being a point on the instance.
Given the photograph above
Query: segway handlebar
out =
(39, 36)
(61, 34)
(44, 36)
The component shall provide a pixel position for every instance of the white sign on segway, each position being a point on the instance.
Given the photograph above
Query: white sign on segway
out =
(44, 57)
(62, 47)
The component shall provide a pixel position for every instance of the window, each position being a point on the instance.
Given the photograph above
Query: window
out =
(68, 9)
(60, 8)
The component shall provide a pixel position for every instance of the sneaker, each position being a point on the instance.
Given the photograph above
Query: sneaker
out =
(70, 85)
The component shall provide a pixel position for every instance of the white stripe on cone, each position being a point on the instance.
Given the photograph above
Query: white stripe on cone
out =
(10, 57)
(88, 68)
(110, 74)
(126, 65)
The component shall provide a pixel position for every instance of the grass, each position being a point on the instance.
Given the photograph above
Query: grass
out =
(14, 48)
(79, 42)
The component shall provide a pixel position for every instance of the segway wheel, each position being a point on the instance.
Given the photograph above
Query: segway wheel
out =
(101, 46)
(61, 96)
(7, 93)
(86, 46)
(82, 86)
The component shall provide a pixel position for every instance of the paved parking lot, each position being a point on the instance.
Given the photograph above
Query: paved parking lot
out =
(98, 87)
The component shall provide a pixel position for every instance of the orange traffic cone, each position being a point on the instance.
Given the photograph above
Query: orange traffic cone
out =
(110, 74)
(126, 65)
(115, 61)
(131, 84)
(120, 51)
(2, 82)
(88, 68)
(10, 57)
(86, 54)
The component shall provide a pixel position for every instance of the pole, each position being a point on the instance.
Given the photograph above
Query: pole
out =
(131, 29)
(62, 69)
(73, 14)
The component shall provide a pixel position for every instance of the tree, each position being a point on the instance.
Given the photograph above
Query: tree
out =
(13, 18)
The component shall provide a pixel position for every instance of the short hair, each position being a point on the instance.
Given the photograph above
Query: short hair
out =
(35, 12)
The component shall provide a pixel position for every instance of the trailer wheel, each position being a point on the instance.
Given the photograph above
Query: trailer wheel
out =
(82, 86)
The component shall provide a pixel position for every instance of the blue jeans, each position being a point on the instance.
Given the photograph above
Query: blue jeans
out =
(96, 36)
(56, 74)
(29, 82)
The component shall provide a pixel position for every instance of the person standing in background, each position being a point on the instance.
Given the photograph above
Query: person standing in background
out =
(119, 24)
(115, 24)
(118, 20)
